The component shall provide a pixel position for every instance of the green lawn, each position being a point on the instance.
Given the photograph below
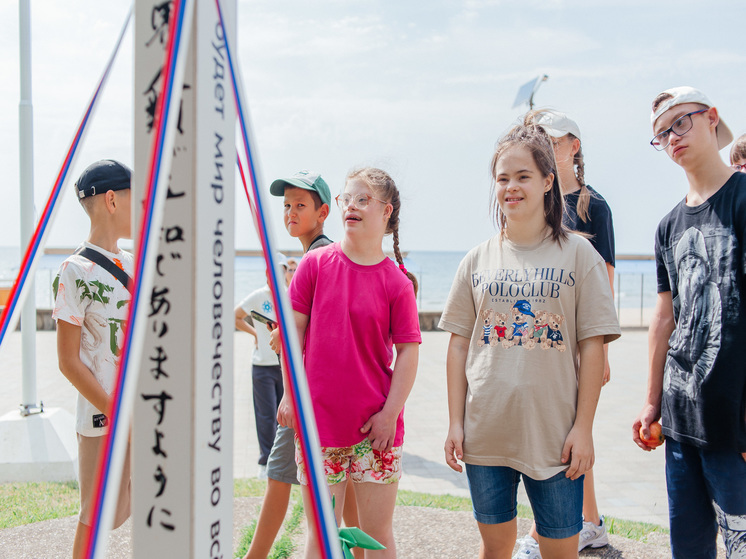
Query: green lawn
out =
(24, 503)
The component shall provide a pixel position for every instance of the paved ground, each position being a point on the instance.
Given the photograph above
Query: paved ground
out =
(419, 533)
(629, 483)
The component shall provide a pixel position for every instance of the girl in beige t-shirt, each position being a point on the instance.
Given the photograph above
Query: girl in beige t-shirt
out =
(522, 306)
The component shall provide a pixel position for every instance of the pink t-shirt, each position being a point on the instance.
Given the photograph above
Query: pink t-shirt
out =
(357, 313)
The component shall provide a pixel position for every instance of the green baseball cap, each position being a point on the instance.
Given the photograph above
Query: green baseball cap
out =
(307, 180)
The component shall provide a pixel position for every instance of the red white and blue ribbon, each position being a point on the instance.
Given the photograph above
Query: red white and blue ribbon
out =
(166, 116)
(323, 514)
(20, 289)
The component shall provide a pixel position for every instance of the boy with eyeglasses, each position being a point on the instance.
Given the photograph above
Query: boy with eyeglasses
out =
(697, 376)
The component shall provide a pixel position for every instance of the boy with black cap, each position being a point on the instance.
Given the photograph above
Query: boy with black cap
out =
(697, 376)
(91, 306)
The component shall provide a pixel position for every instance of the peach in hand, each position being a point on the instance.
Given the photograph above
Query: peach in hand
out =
(656, 436)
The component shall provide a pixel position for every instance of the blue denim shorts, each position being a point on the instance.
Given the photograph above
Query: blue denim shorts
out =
(557, 502)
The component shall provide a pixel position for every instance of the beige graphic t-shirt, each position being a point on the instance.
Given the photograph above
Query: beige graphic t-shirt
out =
(88, 296)
(525, 308)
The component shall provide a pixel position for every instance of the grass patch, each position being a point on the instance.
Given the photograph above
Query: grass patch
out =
(284, 547)
(247, 534)
(633, 530)
(629, 529)
(447, 502)
(25, 503)
(249, 487)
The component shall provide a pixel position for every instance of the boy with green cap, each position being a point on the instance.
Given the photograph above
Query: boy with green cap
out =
(307, 200)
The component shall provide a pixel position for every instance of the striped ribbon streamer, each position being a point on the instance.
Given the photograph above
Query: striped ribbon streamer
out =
(19, 291)
(164, 128)
(324, 520)
(252, 207)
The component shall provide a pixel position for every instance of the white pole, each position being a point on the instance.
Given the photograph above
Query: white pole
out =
(26, 145)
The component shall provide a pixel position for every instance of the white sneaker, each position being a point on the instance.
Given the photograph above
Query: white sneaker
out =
(261, 472)
(528, 548)
(593, 536)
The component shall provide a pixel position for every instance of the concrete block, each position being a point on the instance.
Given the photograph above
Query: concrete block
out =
(39, 447)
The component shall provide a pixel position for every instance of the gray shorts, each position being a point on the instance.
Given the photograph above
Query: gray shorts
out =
(281, 464)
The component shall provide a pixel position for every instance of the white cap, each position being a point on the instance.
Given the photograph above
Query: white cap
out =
(557, 124)
(686, 94)
(281, 259)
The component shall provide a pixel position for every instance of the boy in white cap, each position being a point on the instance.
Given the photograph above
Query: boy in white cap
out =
(266, 374)
(697, 376)
(91, 308)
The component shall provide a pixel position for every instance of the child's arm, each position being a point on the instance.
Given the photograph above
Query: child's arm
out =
(458, 348)
(242, 325)
(285, 412)
(381, 427)
(578, 449)
(81, 377)
(662, 325)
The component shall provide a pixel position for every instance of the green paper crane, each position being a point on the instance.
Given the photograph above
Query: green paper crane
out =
(355, 537)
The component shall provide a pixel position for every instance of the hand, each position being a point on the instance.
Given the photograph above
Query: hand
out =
(285, 412)
(381, 429)
(578, 450)
(274, 339)
(648, 415)
(743, 455)
(607, 371)
(454, 448)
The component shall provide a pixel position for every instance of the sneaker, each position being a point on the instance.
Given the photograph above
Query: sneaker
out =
(261, 472)
(528, 548)
(593, 536)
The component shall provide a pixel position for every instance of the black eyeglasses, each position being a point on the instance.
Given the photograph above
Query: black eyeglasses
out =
(681, 126)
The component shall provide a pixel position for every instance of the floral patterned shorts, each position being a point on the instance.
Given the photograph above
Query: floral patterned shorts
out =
(358, 462)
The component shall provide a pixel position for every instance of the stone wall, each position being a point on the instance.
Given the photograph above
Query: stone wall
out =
(428, 320)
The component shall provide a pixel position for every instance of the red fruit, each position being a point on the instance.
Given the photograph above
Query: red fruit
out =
(656, 436)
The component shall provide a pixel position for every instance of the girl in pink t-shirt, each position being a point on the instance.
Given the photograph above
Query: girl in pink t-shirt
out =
(352, 306)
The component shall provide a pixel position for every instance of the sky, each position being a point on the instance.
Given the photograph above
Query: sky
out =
(421, 89)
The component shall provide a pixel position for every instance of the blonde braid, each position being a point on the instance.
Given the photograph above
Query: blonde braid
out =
(584, 198)
(400, 260)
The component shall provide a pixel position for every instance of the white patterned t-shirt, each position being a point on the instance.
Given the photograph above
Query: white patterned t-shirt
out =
(89, 296)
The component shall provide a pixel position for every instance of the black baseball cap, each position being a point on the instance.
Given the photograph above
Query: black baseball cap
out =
(103, 176)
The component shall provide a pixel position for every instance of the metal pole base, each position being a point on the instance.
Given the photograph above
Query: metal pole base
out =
(31, 409)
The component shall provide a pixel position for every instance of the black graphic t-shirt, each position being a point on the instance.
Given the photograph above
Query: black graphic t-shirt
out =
(700, 259)
(599, 226)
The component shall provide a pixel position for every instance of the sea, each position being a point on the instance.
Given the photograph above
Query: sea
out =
(635, 284)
